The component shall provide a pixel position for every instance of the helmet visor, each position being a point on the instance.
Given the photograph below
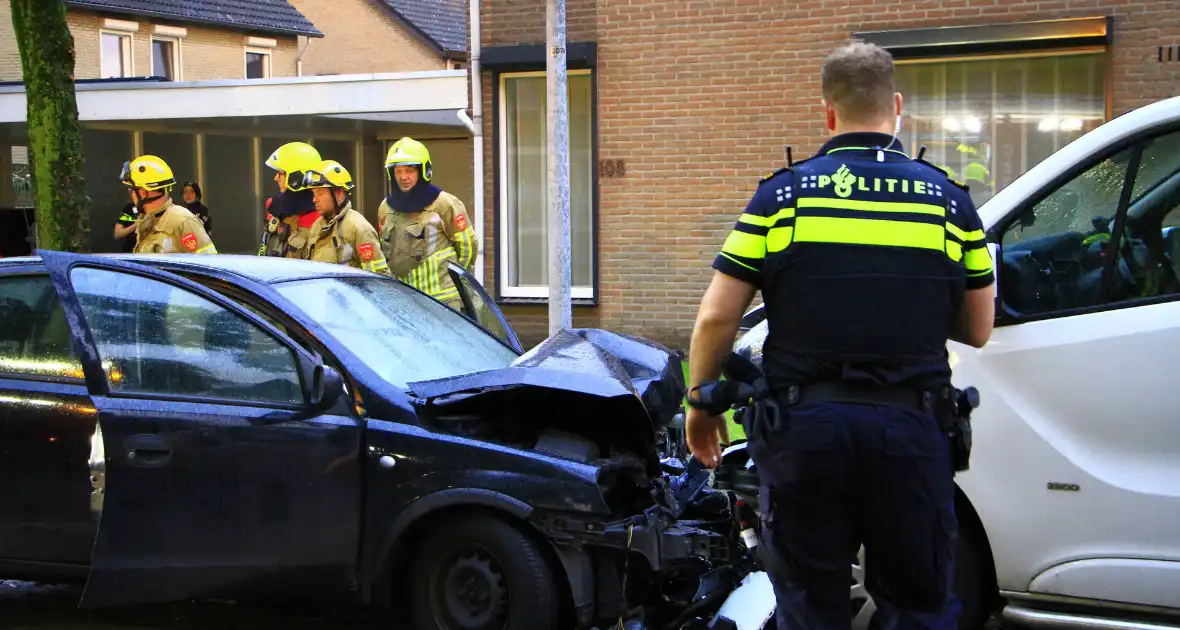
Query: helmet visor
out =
(297, 180)
(315, 179)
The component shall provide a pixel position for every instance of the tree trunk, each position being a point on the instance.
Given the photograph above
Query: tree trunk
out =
(55, 136)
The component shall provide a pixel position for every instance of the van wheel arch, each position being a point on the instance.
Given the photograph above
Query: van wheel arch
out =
(971, 528)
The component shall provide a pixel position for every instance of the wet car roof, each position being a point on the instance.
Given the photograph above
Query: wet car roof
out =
(264, 269)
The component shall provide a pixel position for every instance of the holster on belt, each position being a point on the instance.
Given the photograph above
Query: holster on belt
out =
(951, 407)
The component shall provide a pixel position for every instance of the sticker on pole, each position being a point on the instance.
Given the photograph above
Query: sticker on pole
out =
(366, 251)
(460, 222)
(189, 241)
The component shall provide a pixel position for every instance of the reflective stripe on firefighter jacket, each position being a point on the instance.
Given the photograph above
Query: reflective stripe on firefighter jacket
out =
(171, 230)
(348, 239)
(289, 237)
(418, 244)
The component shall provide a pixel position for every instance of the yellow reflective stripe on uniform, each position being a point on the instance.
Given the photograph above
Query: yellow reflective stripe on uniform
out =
(745, 245)
(779, 238)
(378, 265)
(954, 250)
(978, 261)
(869, 232)
(446, 295)
(208, 249)
(974, 235)
(870, 206)
(736, 261)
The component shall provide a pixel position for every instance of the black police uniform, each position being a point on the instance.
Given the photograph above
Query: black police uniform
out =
(126, 219)
(862, 255)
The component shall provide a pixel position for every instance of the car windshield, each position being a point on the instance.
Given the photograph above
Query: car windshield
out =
(399, 333)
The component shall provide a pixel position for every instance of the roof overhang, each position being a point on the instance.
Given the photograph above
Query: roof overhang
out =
(327, 95)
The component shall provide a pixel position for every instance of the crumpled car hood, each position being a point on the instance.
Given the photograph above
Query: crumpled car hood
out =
(584, 381)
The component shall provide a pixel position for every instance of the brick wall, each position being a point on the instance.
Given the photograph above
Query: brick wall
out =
(362, 38)
(206, 53)
(699, 98)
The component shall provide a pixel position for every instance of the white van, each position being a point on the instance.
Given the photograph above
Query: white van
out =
(1070, 512)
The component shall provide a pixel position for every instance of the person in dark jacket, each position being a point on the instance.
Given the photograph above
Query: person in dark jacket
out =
(192, 201)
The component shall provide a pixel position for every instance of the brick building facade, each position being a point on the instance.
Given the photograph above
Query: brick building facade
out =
(116, 44)
(676, 110)
(371, 36)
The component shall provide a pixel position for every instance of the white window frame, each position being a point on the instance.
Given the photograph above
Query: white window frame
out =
(127, 39)
(268, 55)
(504, 268)
(176, 59)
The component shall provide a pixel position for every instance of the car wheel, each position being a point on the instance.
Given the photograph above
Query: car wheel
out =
(481, 573)
(971, 586)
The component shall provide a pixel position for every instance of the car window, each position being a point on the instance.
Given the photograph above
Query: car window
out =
(485, 316)
(399, 333)
(34, 333)
(1055, 253)
(166, 340)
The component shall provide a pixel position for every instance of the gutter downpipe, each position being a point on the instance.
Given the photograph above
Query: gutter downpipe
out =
(474, 124)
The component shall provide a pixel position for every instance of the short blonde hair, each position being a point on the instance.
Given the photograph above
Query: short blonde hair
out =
(857, 80)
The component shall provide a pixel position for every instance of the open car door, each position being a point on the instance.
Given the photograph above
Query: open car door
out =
(479, 307)
(228, 452)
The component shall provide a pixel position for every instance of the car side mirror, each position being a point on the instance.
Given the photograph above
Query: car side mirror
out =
(326, 387)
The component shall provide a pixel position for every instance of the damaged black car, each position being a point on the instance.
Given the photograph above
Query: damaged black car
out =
(194, 427)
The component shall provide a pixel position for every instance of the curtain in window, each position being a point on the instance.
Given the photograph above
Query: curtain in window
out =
(526, 179)
(987, 121)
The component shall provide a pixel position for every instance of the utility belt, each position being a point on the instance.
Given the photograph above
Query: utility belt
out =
(950, 406)
(758, 405)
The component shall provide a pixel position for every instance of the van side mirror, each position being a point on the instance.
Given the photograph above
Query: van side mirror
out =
(326, 387)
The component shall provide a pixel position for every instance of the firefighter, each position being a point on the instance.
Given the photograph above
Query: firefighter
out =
(163, 227)
(342, 235)
(422, 227)
(868, 262)
(291, 213)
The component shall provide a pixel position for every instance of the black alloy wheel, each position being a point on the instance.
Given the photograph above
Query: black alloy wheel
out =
(478, 572)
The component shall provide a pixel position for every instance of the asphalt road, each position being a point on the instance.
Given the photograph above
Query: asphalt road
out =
(26, 606)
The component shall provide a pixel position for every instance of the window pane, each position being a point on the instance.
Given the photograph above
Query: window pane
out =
(526, 139)
(228, 192)
(1055, 253)
(163, 53)
(34, 334)
(988, 121)
(22, 178)
(160, 339)
(113, 62)
(1152, 250)
(256, 65)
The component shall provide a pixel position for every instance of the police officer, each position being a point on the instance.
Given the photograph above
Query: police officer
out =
(868, 261)
(291, 213)
(163, 227)
(341, 235)
(125, 224)
(422, 226)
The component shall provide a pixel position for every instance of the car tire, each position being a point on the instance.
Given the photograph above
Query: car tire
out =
(477, 572)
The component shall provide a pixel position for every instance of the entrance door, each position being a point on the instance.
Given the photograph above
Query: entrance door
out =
(226, 474)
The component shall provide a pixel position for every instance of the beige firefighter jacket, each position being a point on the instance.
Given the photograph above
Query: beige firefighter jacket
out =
(347, 239)
(171, 230)
(288, 237)
(418, 244)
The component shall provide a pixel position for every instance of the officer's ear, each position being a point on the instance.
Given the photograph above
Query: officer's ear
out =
(829, 116)
(897, 100)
